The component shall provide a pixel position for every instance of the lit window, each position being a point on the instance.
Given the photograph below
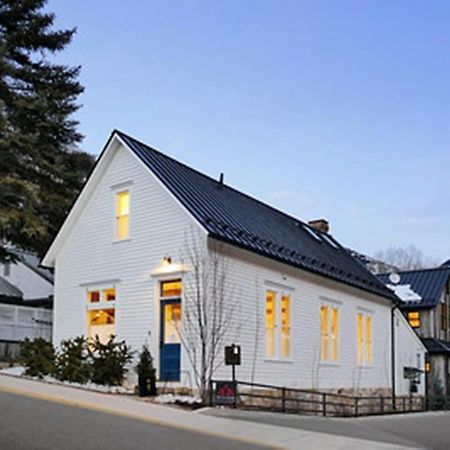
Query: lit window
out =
(285, 325)
(172, 323)
(172, 288)
(427, 367)
(324, 332)
(414, 319)
(369, 340)
(364, 339)
(122, 214)
(334, 334)
(270, 323)
(329, 331)
(94, 296)
(101, 315)
(278, 324)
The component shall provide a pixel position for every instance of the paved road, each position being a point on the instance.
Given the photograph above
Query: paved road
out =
(421, 430)
(32, 424)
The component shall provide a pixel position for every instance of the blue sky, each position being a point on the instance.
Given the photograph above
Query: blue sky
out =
(335, 109)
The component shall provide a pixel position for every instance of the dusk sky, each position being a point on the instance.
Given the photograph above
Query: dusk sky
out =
(334, 109)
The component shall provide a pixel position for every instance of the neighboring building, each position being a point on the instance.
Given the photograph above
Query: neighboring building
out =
(306, 313)
(20, 319)
(426, 305)
(35, 282)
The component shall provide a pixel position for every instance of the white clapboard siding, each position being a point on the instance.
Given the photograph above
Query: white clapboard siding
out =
(89, 257)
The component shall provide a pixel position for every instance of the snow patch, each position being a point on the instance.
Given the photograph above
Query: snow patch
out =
(16, 371)
(166, 399)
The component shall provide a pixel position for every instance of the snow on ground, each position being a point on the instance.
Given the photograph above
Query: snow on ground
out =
(171, 398)
(19, 371)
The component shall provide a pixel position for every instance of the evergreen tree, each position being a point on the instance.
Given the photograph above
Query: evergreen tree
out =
(40, 173)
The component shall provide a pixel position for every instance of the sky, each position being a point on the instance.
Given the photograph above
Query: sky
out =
(333, 109)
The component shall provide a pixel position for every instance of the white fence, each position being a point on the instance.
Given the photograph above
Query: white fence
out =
(20, 322)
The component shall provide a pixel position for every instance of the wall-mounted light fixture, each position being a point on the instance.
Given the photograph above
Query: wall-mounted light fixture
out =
(167, 260)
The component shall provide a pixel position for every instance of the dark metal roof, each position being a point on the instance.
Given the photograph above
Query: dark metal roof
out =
(436, 345)
(9, 290)
(236, 218)
(428, 283)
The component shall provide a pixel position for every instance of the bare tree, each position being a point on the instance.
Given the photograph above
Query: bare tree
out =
(405, 258)
(209, 307)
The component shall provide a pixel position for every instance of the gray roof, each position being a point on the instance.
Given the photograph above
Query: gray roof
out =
(33, 263)
(238, 219)
(9, 290)
(428, 283)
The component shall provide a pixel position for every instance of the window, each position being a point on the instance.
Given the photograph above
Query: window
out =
(329, 330)
(171, 288)
(270, 323)
(364, 339)
(172, 323)
(414, 319)
(285, 325)
(122, 215)
(101, 315)
(444, 317)
(278, 324)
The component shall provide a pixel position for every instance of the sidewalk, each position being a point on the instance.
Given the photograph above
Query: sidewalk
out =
(239, 430)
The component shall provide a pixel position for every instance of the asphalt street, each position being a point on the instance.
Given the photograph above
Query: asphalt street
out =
(419, 430)
(32, 424)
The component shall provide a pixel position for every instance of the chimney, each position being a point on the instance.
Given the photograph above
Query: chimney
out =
(320, 225)
(221, 179)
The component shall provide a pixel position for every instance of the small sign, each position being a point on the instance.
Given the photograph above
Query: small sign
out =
(224, 393)
(411, 373)
(233, 355)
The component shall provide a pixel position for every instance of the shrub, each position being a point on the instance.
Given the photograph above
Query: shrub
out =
(146, 373)
(38, 357)
(72, 362)
(108, 361)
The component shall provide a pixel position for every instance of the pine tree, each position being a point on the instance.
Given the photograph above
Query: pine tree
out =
(40, 173)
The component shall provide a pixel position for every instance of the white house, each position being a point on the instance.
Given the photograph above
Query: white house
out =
(304, 311)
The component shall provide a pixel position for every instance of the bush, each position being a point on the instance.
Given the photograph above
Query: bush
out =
(108, 361)
(146, 373)
(72, 362)
(38, 356)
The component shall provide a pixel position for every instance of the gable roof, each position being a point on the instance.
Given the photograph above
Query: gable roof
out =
(31, 261)
(428, 283)
(9, 290)
(231, 216)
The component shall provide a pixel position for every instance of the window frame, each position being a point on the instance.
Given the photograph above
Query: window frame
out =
(364, 354)
(102, 305)
(116, 193)
(332, 355)
(279, 292)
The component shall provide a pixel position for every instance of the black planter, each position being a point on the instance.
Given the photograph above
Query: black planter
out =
(143, 387)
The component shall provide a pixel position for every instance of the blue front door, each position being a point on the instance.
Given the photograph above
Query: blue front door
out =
(170, 340)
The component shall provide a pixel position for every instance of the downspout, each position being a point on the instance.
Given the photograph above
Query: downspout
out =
(393, 353)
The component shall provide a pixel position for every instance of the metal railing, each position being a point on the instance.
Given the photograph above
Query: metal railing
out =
(305, 401)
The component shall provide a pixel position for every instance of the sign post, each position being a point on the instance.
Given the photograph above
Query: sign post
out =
(233, 359)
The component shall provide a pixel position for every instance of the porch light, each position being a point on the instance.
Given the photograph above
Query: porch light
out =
(166, 267)
(167, 260)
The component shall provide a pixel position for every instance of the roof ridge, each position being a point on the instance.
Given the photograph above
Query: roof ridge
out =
(414, 270)
(279, 211)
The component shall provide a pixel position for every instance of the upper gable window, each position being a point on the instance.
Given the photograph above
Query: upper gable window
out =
(122, 215)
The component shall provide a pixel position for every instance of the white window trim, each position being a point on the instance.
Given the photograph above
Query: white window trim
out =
(365, 313)
(117, 189)
(279, 290)
(330, 303)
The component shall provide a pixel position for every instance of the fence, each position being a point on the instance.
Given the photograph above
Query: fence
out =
(20, 322)
(304, 401)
